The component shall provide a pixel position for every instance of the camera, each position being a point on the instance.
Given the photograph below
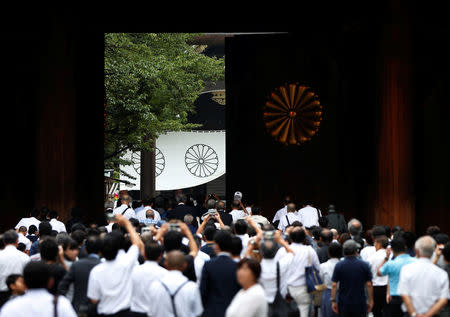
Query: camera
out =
(174, 227)
(146, 229)
(269, 235)
(110, 216)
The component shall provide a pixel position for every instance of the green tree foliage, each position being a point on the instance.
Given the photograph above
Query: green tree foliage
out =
(151, 83)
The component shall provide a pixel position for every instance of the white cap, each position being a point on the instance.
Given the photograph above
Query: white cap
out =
(238, 195)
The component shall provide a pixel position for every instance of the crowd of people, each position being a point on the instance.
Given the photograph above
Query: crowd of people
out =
(198, 259)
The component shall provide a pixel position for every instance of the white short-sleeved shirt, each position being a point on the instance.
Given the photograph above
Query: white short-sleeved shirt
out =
(188, 301)
(129, 213)
(375, 261)
(268, 278)
(248, 303)
(424, 282)
(199, 262)
(27, 222)
(238, 214)
(110, 282)
(141, 214)
(57, 225)
(25, 241)
(367, 252)
(326, 271)
(284, 223)
(308, 216)
(37, 302)
(12, 261)
(280, 213)
(304, 255)
(142, 277)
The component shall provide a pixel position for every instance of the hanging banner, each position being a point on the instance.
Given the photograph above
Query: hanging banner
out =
(183, 159)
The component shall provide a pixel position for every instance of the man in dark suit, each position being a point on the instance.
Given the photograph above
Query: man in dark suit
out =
(218, 282)
(326, 236)
(78, 274)
(181, 209)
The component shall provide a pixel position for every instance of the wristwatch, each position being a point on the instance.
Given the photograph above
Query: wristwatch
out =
(386, 259)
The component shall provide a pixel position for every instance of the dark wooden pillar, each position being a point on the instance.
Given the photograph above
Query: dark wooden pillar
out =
(395, 190)
(148, 173)
(55, 163)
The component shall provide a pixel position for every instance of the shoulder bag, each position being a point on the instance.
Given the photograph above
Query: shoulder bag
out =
(314, 282)
(280, 307)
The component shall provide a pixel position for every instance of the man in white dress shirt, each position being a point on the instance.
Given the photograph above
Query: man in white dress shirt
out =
(304, 255)
(289, 218)
(379, 282)
(110, 284)
(177, 296)
(143, 276)
(125, 209)
(23, 238)
(32, 220)
(237, 210)
(282, 211)
(309, 216)
(141, 214)
(370, 250)
(423, 285)
(12, 261)
(56, 224)
(38, 301)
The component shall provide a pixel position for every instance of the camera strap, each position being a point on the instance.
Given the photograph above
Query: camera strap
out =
(125, 210)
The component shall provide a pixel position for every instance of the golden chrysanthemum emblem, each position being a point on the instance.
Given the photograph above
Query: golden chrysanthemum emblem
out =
(292, 114)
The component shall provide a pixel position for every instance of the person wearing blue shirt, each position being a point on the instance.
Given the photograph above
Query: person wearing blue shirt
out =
(392, 269)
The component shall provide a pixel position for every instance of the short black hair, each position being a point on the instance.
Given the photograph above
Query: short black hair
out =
(78, 226)
(335, 250)
(441, 238)
(378, 231)
(298, 236)
(223, 240)
(240, 226)
(236, 246)
(327, 236)
(36, 274)
(172, 240)
(256, 210)
(53, 214)
(32, 229)
(446, 252)
(153, 251)
(253, 265)
(387, 230)
(10, 237)
(34, 212)
(209, 232)
(78, 236)
(45, 229)
(396, 229)
(410, 239)
(433, 230)
(21, 247)
(93, 244)
(111, 244)
(316, 231)
(383, 240)
(358, 239)
(93, 232)
(235, 204)
(48, 248)
(368, 236)
(398, 244)
(11, 279)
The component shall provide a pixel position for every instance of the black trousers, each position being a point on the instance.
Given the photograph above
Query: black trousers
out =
(379, 301)
(394, 309)
(136, 314)
(352, 314)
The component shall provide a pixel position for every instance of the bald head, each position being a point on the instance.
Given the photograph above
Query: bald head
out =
(290, 207)
(175, 260)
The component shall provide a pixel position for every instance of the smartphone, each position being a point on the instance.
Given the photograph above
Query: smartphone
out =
(174, 227)
(269, 235)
